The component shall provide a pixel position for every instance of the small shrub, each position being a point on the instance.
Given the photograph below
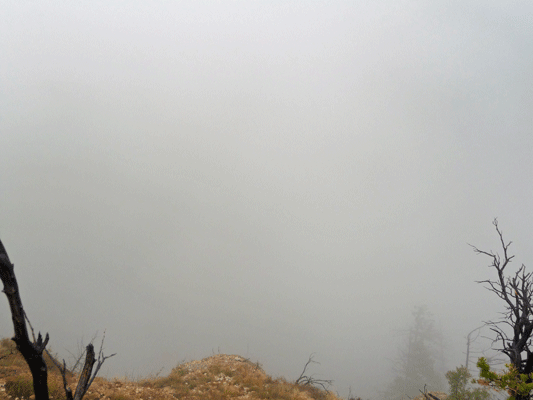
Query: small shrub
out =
(56, 390)
(314, 392)
(173, 380)
(119, 396)
(459, 388)
(9, 355)
(20, 386)
(215, 369)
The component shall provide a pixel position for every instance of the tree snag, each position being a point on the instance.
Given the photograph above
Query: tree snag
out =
(516, 291)
(33, 351)
(310, 380)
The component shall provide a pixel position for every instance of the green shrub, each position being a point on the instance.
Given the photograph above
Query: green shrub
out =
(510, 380)
(459, 390)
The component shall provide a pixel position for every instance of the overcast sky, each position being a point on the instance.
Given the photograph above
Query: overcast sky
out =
(268, 178)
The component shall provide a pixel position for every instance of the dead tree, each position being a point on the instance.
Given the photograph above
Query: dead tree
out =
(516, 292)
(468, 342)
(32, 351)
(310, 380)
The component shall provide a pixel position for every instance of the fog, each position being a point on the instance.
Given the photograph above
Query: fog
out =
(270, 179)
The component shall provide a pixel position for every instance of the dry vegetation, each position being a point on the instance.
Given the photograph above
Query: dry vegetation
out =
(219, 377)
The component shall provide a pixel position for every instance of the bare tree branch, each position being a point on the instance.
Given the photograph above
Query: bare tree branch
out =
(100, 360)
(81, 352)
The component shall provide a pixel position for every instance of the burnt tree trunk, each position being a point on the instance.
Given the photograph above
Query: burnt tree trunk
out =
(32, 352)
(85, 378)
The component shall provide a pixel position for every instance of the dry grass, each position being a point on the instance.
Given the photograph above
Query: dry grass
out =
(16, 378)
(229, 376)
(220, 377)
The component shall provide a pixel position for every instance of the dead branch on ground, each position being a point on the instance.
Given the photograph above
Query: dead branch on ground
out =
(310, 380)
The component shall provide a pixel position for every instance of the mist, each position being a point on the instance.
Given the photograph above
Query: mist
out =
(268, 179)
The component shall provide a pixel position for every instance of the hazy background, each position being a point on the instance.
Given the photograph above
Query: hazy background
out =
(269, 178)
